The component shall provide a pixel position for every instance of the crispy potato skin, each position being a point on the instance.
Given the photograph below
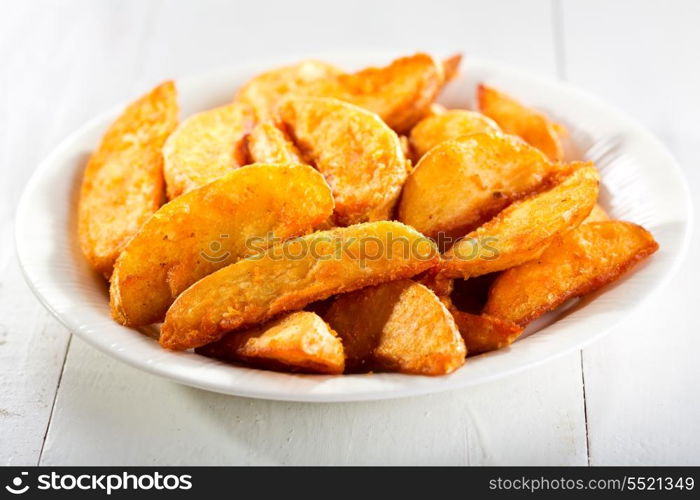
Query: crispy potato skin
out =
(212, 227)
(266, 90)
(268, 143)
(461, 183)
(299, 342)
(514, 118)
(400, 93)
(291, 275)
(483, 333)
(123, 181)
(399, 326)
(575, 264)
(360, 157)
(205, 146)
(440, 127)
(522, 231)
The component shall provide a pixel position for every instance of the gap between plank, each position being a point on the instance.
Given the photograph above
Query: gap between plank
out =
(585, 409)
(55, 397)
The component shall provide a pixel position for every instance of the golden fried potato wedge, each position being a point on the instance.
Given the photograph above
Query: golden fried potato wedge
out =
(290, 275)
(212, 227)
(268, 143)
(360, 157)
(123, 181)
(522, 231)
(437, 283)
(575, 264)
(263, 92)
(431, 131)
(463, 182)
(515, 118)
(400, 93)
(399, 326)
(598, 214)
(450, 67)
(483, 333)
(205, 146)
(299, 342)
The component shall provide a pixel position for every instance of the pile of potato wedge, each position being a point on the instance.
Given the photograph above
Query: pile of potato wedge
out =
(333, 222)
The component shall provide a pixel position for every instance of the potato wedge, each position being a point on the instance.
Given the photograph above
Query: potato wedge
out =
(437, 283)
(598, 214)
(450, 67)
(360, 157)
(263, 92)
(211, 227)
(206, 146)
(123, 182)
(399, 326)
(575, 264)
(400, 93)
(463, 182)
(268, 143)
(514, 118)
(300, 342)
(437, 128)
(483, 333)
(522, 231)
(290, 275)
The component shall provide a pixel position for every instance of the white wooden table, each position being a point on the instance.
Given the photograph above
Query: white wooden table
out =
(631, 398)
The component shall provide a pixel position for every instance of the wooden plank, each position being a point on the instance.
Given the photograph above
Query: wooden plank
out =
(52, 54)
(106, 412)
(641, 380)
(32, 350)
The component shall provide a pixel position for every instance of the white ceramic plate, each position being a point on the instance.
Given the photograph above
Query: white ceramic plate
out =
(641, 183)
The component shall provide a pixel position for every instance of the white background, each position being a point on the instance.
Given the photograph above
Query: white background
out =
(631, 398)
